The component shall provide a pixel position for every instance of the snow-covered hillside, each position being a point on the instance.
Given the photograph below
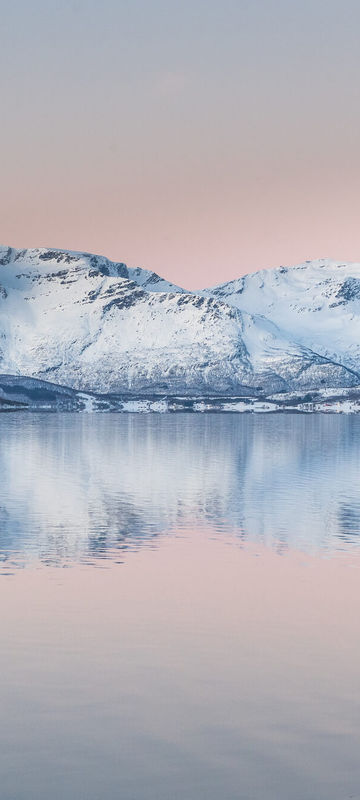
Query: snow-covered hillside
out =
(316, 304)
(85, 322)
(82, 321)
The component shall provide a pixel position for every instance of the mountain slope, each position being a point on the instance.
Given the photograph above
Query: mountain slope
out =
(85, 322)
(316, 304)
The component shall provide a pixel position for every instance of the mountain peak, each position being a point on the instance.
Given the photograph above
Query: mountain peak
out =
(52, 261)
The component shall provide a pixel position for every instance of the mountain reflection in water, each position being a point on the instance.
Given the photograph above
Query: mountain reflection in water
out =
(86, 487)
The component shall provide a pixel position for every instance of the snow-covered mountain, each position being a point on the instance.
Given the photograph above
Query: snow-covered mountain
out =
(85, 322)
(316, 304)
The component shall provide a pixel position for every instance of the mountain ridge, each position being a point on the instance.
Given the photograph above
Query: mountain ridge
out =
(81, 320)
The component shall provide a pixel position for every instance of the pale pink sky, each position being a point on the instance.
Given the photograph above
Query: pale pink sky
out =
(202, 139)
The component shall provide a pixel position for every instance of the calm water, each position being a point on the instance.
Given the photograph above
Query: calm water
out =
(180, 607)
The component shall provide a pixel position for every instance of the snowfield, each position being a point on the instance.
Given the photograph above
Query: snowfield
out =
(81, 321)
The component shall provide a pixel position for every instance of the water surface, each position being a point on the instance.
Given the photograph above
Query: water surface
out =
(179, 603)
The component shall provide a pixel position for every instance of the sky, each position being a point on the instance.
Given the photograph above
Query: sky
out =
(202, 139)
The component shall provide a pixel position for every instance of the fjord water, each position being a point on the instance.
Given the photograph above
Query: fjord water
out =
(179, 600)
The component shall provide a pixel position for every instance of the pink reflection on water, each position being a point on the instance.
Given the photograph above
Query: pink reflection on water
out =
(196, 664)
